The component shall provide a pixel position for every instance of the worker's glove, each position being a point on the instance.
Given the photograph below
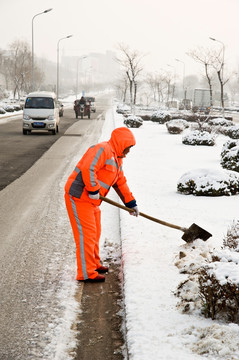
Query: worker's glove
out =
(136, 211)
(94, 195)
(132, 205)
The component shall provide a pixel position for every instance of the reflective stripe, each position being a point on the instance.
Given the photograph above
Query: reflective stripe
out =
(92, 166)
(121, 168)
(112, 162)
(104, 185)
(82, 251)
(77, 170)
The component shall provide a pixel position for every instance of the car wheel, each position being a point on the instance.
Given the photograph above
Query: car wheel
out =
(53, 132)
(24, 132)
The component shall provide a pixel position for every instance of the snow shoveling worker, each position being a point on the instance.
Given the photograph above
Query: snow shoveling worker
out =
(99, 169)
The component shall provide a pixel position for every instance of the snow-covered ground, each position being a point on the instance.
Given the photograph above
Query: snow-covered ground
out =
(155, 327)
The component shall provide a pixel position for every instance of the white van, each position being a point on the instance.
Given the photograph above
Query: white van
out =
(41, 112)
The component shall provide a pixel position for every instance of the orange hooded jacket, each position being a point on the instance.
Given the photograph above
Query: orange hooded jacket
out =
(101, 167)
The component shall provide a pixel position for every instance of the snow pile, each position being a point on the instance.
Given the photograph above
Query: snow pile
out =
(213, 342)
(209, 182)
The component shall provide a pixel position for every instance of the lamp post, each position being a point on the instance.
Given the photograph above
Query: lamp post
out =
(173, 87)
(77, 74)
(222, 78)
(57, 76)
(44, 12)
(184, 91)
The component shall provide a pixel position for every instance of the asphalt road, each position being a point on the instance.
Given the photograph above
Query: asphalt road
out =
(19, 152)
(36, 245)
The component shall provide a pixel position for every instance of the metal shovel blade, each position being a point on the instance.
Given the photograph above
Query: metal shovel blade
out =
(195, 232)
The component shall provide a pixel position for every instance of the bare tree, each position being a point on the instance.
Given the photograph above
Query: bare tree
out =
(218, 65)
(19, 65)
(206, 57)
(121, 87)
(130, 61)
(17, 68)
(158, 83)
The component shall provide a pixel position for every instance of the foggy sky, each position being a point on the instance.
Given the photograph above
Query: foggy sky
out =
(162, 30)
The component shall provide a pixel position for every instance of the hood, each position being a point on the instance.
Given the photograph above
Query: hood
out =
(121, 138)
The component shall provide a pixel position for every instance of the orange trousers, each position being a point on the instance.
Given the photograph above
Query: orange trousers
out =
(85, 219)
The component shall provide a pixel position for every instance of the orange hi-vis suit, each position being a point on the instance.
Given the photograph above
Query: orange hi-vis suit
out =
(98, 170)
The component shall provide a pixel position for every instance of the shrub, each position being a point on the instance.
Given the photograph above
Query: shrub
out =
(230, 155)
(212, 283)
(176, 126)
(204, 182)
(231, 240)
(199, 138)
(219, 289)
(161, 116)
(232, 131)
(219, 122)
(133, 121)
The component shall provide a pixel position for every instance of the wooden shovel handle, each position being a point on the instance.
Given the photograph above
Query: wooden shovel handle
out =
(109, 201)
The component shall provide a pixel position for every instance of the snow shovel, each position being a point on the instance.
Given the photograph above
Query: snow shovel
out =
(190, 234)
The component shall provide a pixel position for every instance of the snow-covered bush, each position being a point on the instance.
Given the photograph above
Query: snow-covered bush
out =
(230, 155)
(161, 116)
(176, 126)
(205, 182)
(123, 109)
(219, 122)
(212, 284)
(199, 138)
(219, 287)
(232, 131)
(231, 240)
(133, 121)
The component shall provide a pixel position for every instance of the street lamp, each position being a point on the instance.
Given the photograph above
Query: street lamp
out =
(184, 91)
(44, 12)
(57, 77)
(222, 78)
(77, 74)
(173, 87)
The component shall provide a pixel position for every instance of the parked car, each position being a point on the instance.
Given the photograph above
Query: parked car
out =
(41, 112)
(2, 111)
